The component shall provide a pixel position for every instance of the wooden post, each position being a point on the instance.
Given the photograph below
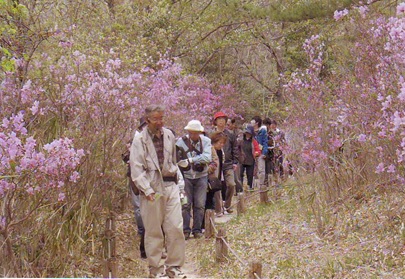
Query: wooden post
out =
(220, 247)
(209, 228)
(241, 208)
(256, 184)
(110, 262)
(263, 194)
(270, 180)
(276, 185)
(110, 268)
(255, 270)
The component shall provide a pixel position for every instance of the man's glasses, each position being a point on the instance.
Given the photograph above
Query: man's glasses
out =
(156, 119)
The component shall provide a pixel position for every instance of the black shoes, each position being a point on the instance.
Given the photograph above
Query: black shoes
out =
(198, 235)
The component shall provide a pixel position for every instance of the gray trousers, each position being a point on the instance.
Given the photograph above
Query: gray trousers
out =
(135, 200)
(229, 176)
(163, 222)
(261, 171)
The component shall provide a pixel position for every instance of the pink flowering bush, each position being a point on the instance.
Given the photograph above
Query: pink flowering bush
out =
(23, 168)
(31, 176)
(350, 117)
(65, 126)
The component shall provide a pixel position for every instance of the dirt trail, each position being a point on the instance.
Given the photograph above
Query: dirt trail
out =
(190, 267)
(129, 262)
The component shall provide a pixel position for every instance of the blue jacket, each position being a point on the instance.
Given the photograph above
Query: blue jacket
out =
(262, 139)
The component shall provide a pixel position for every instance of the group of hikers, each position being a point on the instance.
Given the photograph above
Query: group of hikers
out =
(174, 180)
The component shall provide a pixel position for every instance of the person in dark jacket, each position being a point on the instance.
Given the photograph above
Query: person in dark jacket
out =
(135, 193)
(231, 158)
(233, 127)
(248, 152)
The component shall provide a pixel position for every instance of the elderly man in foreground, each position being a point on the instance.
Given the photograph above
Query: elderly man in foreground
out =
(156, 175)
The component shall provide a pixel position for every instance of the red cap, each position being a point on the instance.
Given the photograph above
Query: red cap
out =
(219, 114)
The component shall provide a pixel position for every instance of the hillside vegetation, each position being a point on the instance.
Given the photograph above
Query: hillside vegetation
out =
(75, 76)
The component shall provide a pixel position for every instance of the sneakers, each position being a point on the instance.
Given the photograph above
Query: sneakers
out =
(198, 235)
(228, 210)
(175, 272)
(186, 235)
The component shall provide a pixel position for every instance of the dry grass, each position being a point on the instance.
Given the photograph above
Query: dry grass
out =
(129, 261)
(358, 239)
(297, 236)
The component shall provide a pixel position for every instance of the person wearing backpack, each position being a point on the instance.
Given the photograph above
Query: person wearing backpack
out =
(134, 192)
(194, 155)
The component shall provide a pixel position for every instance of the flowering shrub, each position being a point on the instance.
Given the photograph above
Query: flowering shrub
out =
(22, 167)
(95, 104)
(354, 117)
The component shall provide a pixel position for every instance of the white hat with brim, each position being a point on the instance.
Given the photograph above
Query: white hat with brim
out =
(194, 125)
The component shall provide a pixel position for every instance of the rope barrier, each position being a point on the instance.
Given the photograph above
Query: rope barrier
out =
(226, 243)
(124, 219)
(229, 247)
(233, 252)
(237, 257)
(213, 225)
(250, 196)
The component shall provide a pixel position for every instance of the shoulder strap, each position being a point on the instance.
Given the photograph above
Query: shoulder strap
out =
(191, 147)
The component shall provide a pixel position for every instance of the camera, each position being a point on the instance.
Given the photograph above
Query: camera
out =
(198, 167)
(185, 168)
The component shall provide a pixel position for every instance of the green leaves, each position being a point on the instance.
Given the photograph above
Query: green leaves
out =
(295, 11)
(6, 63)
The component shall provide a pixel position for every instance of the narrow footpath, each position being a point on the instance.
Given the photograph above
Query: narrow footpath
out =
(130, 264)
(190, 267)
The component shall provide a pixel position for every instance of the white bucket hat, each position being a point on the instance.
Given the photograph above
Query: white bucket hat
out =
(194, 125)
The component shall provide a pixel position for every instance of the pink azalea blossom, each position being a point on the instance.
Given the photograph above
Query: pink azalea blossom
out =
(380, 168)
(363, 11)
(362, 138)
(340, 14)
(34, 108)
(2, 222)
(336, 143)
(401, 95)
(391, 169)
(401, 8)
(61, 196)
(382, 134)
(30, 190)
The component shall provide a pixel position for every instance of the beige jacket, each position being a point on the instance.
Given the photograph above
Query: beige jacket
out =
(215, 160)
(145, 171)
